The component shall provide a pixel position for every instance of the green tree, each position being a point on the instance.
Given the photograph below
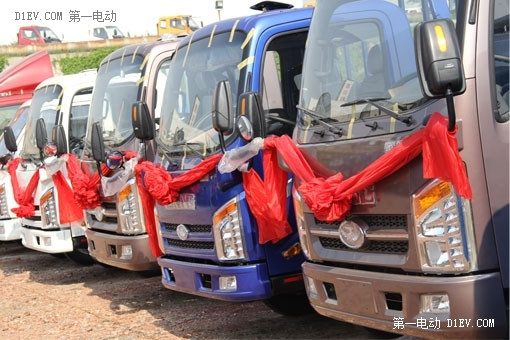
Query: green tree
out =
(71, 65)
(3, 62)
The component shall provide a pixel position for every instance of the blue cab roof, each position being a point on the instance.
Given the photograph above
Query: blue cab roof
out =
(260, 22)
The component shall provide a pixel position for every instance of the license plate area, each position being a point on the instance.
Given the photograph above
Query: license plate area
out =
(186, 201)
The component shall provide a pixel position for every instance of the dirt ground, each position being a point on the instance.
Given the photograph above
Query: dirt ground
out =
(48, 297)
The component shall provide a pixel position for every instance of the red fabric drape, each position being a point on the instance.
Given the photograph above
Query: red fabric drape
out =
(267, 198)
(69, 209)
(330, 198)
(155, 184)
(85, 186)
(148, 212)
(26, 203)
(24, 198)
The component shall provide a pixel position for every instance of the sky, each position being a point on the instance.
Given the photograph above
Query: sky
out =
(72, 20)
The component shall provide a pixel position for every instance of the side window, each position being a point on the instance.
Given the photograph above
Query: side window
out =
(30, 34)
(271, 83)
(281, 81)
(501, 60)
(78, 121)
(161, 79)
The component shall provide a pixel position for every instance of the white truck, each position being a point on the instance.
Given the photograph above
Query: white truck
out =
(10, 224)
(118, 231)
(61, 101)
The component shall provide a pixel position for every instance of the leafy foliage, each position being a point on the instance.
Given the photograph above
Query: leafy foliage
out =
(71, 65)
(3, 62)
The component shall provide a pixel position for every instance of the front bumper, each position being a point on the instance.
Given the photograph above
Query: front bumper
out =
(10, 229)
(122, 251)
(392, 302)
(53, 242)
(202, 279)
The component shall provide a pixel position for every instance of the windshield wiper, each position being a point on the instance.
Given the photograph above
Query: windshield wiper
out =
(372, 101)
(320, 119)
(166, 150)
(196, 152)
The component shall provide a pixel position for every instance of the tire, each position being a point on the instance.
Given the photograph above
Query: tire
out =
(290, 304)
(80, 254)
(382, 334)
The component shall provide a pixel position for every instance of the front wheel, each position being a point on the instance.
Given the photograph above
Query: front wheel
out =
(80, 254)
(290, 304)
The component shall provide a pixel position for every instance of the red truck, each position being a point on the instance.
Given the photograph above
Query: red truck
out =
(37, 35)
(17, 83)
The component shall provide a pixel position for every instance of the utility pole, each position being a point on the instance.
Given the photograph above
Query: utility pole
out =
(219, 8)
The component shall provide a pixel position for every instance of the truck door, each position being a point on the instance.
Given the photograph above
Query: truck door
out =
(493, 92)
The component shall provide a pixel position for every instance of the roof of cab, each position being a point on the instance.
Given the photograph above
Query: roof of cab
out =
(82, 79)
(262, 20)
(141, 49)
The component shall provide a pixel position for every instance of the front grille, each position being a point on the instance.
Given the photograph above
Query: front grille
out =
(193, 228)
(375, 222)
(378, 225)
(169, 233)
(387, 247)
(190, 244)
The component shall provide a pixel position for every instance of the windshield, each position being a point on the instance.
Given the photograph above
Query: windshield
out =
(360, 66)
(17, 124)
(45, 104)
(192, 24)
(114, 31)
(192, 77)
(6, 114)
(116, 90)
(48, 34)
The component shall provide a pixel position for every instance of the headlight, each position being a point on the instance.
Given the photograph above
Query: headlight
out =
(48, 210)
(4, 209)
(444, 229)
(129, 209)
(228, 232)
(300, 221)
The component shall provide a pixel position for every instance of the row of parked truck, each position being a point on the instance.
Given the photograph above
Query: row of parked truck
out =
(351, 157)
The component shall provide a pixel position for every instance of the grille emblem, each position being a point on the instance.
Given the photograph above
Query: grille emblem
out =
(182, 232)
(353, 233)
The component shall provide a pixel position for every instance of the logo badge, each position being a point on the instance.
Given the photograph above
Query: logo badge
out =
(182, 232)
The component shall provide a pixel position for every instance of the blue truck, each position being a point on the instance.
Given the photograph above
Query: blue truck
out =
(209, 237)
(415, 253)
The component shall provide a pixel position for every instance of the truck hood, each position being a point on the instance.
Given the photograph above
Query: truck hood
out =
(24, 76)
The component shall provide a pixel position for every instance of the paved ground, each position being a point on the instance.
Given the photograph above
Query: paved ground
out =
(48, 297)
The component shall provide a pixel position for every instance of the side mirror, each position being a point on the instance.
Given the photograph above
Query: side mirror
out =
(97, 142)
(143, 126)
(438, 58)
(10, 139)
(59, 138)
(222, 115)
(439, 63)
(251, 122)
(40, 134)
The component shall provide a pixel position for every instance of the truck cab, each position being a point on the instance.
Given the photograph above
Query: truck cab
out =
(10, 224)
(106, 32)
(210, 240)
(177, 25)
(37, 35)
(17, 85)
(18, 82)
(410, 253)
(52, 220)
(117, 230)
